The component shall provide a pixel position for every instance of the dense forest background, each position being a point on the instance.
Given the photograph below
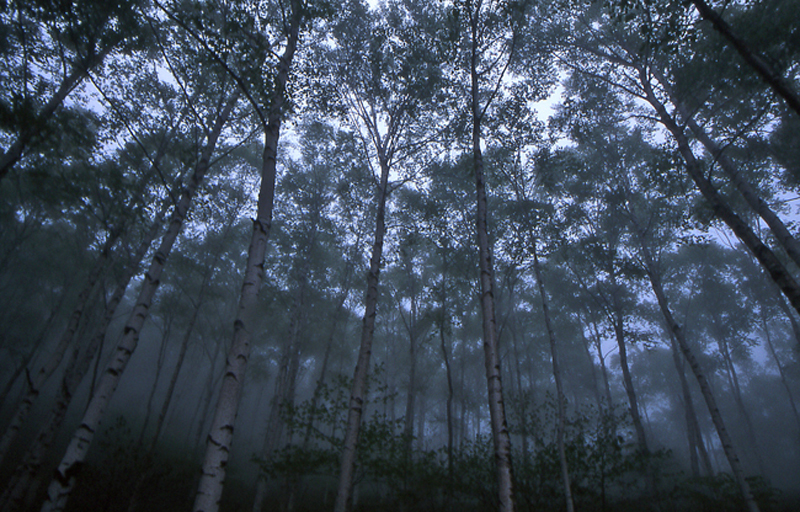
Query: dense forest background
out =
(411, 255)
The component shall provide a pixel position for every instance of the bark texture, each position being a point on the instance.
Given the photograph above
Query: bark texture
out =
(66, 475)
(497, 413)
(38, 379)
(22, 484)
(209, 490)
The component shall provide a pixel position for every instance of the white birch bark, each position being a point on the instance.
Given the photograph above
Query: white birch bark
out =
(209, 490)
(36, 381)
(358, 392)
(497, 414)
(22, 483)
(66, 475)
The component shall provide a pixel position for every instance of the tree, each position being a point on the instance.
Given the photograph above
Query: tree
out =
(209, 489)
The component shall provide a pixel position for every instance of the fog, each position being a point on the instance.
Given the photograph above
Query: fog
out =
(399, 255)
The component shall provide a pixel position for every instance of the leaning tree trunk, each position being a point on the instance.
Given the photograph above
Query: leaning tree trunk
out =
(733, 381)
(209, 490)
(781, 371)
(35, 346)
(37, 380)
(23, 484)
(66, 475)
(562, 421)
(358, 391)
(779, 229)
(755, 61)
(705, 387)
(694, 436)
(133, 503)
(765, 256)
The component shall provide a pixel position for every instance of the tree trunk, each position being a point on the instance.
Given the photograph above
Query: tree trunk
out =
(781, 232)
(36, 345)
(627, 380)
(162, 414)
(36, 381)
(284, 391)
(449, 410)
(562, 420)
(323, 371)
(598, 343)
(162, 356)
(705, 388)
(500, 435)
(763, 254)
(205, 401)
(694, 437)
(791, 317)
(733, 380)
(781, 371)
(585, 345)
(755, 61)
(66, 475)
(358, 392)
(22, 483)
(411, 395)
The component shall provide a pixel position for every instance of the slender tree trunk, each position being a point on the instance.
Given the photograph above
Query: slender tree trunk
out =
(37, 380)
(449, 410)
(781, 371)
(284, 390)
(162, 355)
(733, 380)
(497, 413)
(705, 388)
(205, 400)
(627, 380)
(791, 317)
(358, 392)
(755, 61)
(763, 254)
(36, 345)
(22, 483)
(598, 343)
(323, 371)
(133, 504)
(692, 428)
(585, 344)
(209, 490)
(411, 395)
(66, 475)
(562, 421)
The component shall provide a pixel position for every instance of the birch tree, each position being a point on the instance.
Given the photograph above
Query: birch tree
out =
(63, 483)
(381, 109)
(209, 490)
